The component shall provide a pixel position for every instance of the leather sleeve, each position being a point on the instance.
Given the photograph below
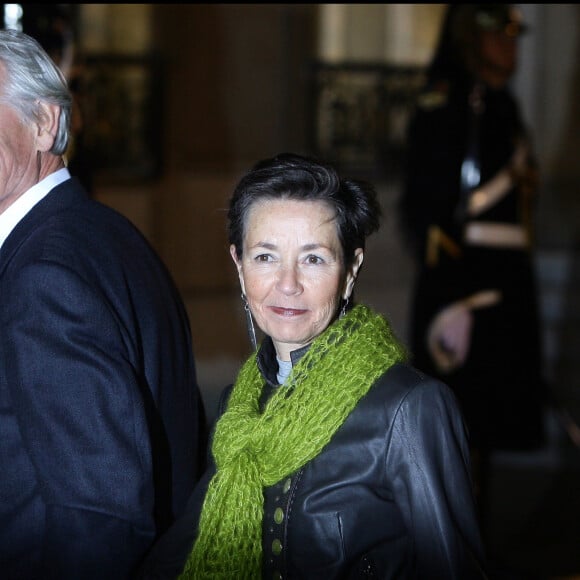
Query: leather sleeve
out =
(428, 461)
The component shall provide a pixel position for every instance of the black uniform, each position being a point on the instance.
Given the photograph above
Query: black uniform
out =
(500, 385)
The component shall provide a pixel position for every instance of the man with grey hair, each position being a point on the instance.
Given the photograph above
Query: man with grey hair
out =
(101, 421)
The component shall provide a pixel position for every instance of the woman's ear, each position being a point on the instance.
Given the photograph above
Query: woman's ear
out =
(238, 264)
(47, 126)
(352, 273)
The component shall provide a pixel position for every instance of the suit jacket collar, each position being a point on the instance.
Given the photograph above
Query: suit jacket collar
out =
(61, 197)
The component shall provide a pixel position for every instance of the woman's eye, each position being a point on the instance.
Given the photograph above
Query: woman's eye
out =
(314, 259)
(263, 258)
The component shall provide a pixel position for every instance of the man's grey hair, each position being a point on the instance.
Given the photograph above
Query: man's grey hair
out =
(31, 78)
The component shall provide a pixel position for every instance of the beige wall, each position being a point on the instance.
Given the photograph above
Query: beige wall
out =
(394, 33)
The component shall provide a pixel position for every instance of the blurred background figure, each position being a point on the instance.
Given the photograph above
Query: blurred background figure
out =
(467, 211)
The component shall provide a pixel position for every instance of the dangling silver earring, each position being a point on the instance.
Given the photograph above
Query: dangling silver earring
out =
(249, 322)
(344, 306)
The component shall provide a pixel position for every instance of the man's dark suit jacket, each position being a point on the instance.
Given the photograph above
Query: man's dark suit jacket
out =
(102, 429)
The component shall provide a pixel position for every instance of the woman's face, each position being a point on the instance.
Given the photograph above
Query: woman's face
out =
(498, 57)
(292, 270)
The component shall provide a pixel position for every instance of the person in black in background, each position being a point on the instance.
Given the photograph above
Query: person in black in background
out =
(466, 208)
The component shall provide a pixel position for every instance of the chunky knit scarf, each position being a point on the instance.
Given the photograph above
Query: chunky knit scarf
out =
(254, 450)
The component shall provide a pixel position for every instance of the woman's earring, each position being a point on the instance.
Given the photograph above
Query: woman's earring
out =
(249, 322)
(344, 306)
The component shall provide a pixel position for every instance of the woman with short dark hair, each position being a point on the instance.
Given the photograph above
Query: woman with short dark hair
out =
(331, 457)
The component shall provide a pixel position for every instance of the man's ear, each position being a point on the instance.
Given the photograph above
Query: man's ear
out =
(47, 126)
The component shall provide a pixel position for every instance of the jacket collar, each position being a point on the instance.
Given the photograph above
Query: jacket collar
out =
(61, 197)
(267, 363)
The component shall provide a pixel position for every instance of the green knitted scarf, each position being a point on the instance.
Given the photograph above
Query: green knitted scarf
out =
(254, 450)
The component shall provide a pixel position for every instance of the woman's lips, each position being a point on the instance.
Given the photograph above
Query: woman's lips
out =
(289, 312)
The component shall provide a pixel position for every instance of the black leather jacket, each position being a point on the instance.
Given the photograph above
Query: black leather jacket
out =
(389, 497)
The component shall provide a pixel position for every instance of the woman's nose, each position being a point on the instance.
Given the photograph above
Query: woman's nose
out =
(288, 280)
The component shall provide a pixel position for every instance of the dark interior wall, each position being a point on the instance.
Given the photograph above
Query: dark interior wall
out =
(236, 81)
(190, 40)
(236, 90)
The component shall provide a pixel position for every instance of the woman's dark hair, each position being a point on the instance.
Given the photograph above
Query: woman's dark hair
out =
(457, 53)
(295, 177)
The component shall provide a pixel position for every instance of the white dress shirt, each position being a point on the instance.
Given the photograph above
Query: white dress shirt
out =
(15, 212)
